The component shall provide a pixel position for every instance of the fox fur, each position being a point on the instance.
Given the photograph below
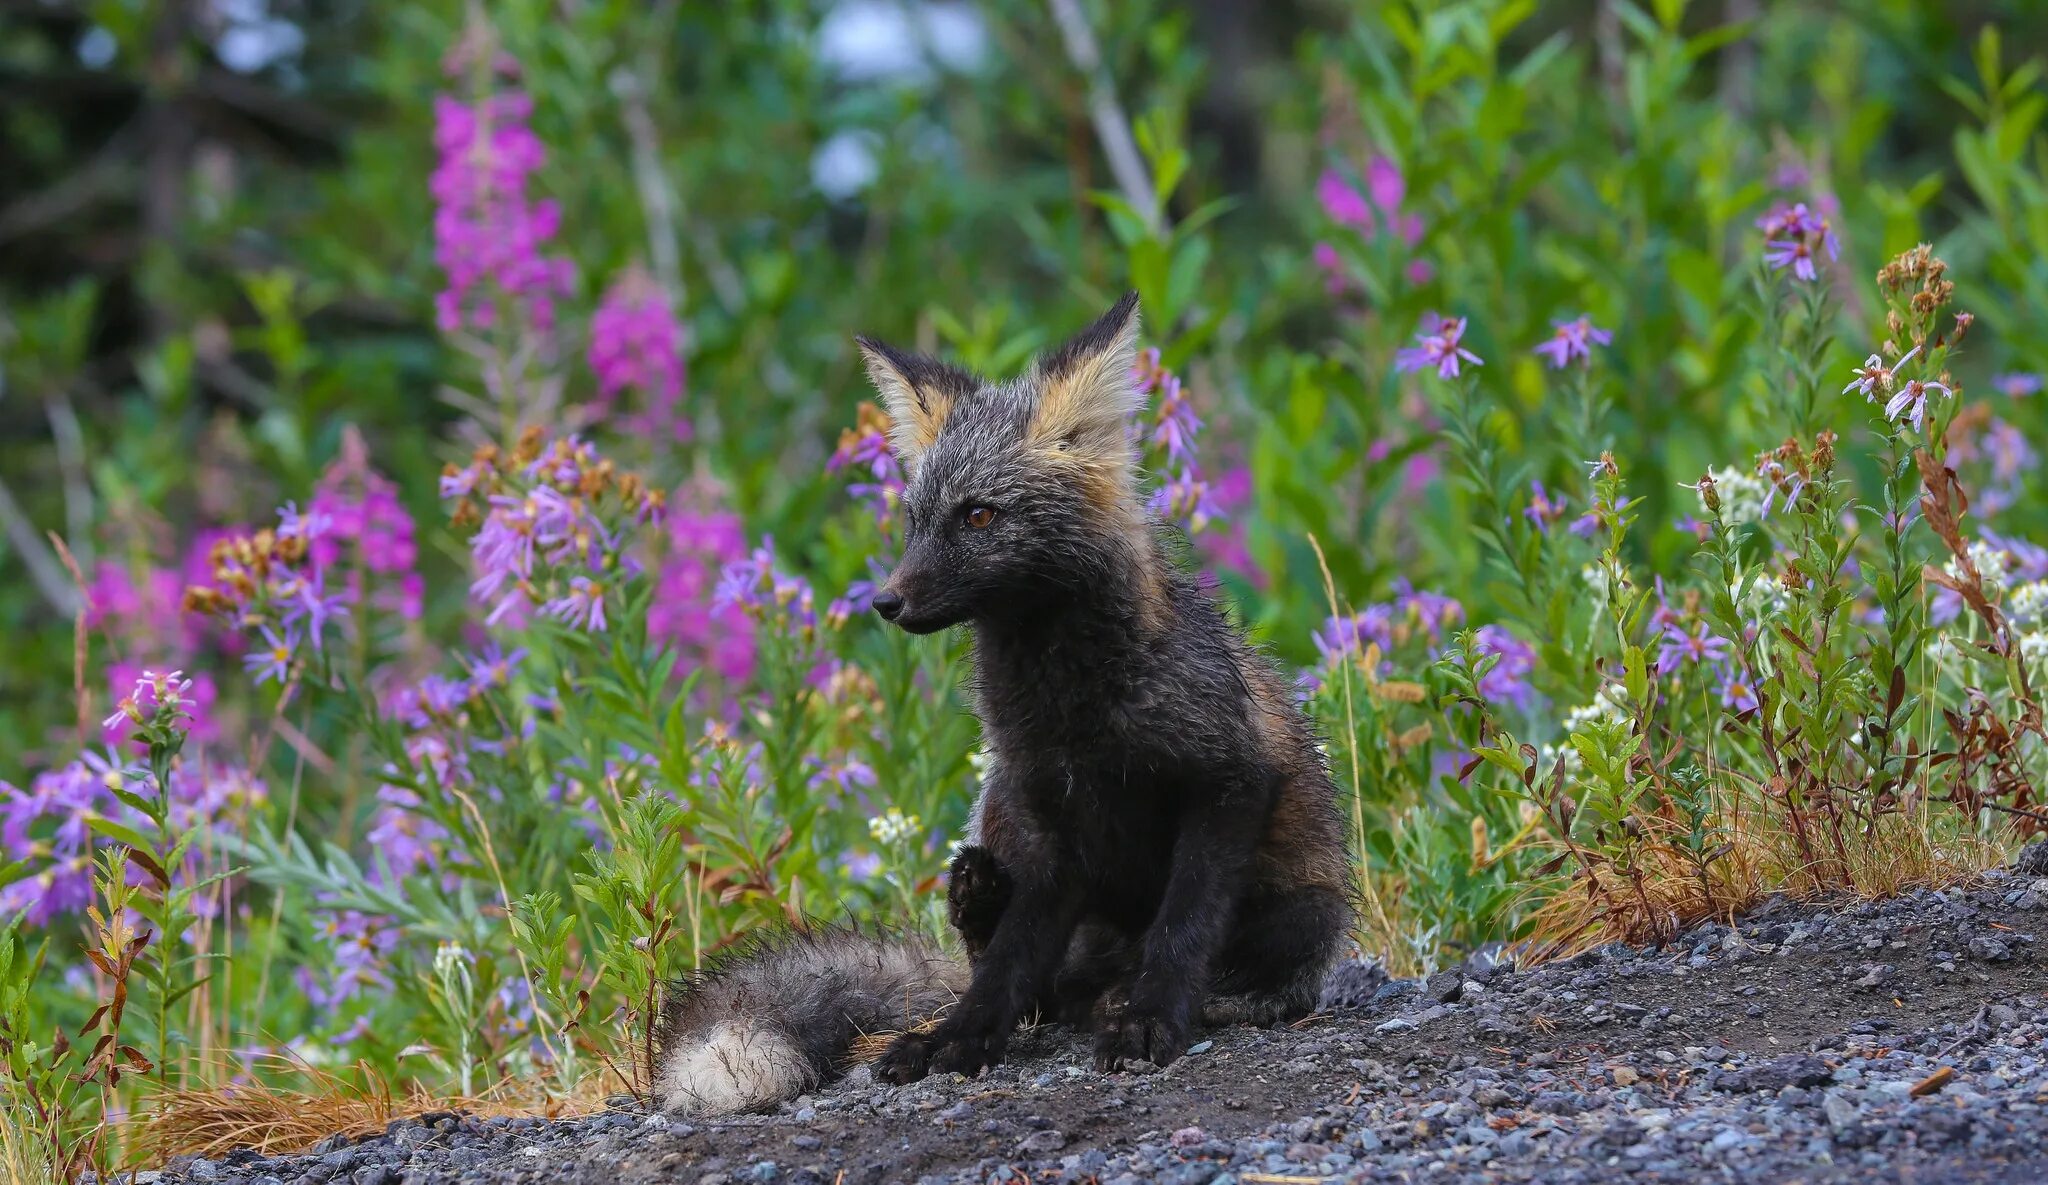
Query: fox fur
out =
(1158, 841)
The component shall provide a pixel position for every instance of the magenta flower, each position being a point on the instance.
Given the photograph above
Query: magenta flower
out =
(1697, 646)
(1573, 339)
(701, 543)
(1437, 345)
(1345, 205)
(636, 344)
(488, 233)
(1911, 402)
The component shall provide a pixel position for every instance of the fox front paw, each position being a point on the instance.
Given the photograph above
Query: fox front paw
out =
(1135, 1033)
(913, 1055)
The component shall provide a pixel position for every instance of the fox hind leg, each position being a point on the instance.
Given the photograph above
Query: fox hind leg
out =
(1280, 947)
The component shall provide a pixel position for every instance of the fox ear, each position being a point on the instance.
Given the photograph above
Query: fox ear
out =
(1086, 393)
(918, 393)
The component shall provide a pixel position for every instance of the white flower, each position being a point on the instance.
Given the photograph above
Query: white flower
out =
(2034, 650)
(1766, 598)
(2028, 603)
(1742, 495)
(893, 826)
(1990, 564)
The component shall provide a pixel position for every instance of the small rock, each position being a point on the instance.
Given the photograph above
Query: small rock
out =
(1040, 1143)
(1990, 950)
(1446, 987)
(1396, 1025)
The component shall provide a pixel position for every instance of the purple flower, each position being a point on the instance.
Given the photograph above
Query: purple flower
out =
(1793, 253)
(1186, 499)
(1736, 691)
(273, 659)
(1698, 646)
(1573, 339)
(581, 607)
(313, 605)
(1438, 345)
(2016, 385)
(492, 666)
(1911, 402)
(1542, 510)
(755, 586)
(1508, 679)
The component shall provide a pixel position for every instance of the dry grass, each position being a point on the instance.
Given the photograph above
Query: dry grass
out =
(1900, 853)
(277, 1119)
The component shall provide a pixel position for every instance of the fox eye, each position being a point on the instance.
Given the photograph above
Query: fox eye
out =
(979, 517)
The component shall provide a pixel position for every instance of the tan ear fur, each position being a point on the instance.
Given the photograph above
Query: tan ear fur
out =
(1086, 393)
(917, 405)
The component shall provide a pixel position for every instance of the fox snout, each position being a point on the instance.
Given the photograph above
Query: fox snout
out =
(917, 597)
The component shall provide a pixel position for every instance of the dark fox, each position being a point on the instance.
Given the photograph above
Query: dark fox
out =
(1158, 842)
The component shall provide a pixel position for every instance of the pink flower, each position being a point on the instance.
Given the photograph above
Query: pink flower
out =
(636, 344)
(488, 234)
(1345, 205)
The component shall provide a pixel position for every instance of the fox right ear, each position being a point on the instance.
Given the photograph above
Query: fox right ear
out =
(918, 393)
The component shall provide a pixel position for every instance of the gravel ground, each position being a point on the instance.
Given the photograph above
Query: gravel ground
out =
(1896, 1041)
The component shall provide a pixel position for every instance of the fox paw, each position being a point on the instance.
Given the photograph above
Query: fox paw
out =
(976, 892)
(913, 1055)
(1138, 1034)
(907, 1059)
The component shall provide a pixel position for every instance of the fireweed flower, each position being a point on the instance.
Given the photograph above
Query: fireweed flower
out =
(1573, 339)
(700, 543)
(1437, 345)
(1344, 204)
(488, 234)
(1911, 402)
(356, 512)
(636, 344)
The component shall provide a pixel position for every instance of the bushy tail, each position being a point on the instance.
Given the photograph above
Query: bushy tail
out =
(774, 1017)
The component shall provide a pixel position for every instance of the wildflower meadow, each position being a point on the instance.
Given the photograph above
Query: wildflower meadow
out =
(441, 496)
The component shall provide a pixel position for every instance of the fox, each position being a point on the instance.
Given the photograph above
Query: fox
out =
(1157, 843)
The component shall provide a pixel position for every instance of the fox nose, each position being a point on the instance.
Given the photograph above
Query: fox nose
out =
(888, 604)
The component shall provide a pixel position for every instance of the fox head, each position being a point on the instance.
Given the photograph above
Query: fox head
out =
(1019, 495)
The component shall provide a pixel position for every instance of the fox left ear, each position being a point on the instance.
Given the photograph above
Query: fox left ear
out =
(919, 393)
(1086, 393)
